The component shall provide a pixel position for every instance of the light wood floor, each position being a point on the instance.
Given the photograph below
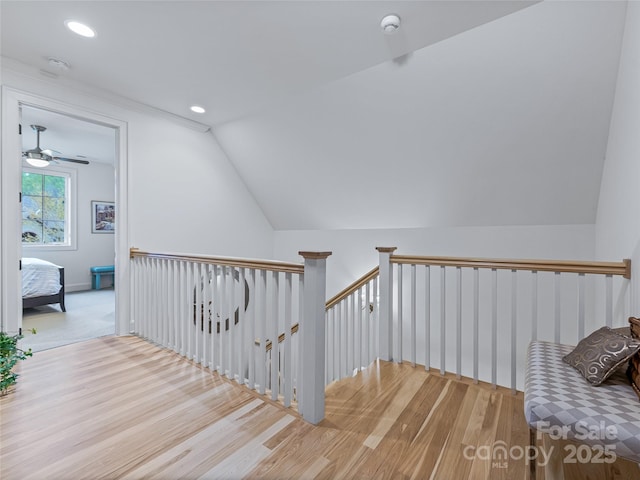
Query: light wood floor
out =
(122, 408)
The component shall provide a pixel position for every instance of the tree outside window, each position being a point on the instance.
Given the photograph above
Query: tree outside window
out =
(44, 208)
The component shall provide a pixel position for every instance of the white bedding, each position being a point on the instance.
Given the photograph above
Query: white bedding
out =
(39, 278)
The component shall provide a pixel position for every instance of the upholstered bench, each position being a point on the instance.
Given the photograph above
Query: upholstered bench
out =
(97, 272)
(558, 400)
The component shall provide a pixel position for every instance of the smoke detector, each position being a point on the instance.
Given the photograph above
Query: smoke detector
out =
(390, 23)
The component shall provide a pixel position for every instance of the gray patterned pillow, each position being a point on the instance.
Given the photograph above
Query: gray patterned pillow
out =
(598, 355)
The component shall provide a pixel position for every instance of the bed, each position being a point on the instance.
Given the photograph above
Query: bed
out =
(42, 283)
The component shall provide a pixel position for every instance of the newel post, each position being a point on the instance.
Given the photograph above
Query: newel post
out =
(386, 294)
(312, 336)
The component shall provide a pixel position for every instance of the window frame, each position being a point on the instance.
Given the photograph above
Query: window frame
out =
(71, 231)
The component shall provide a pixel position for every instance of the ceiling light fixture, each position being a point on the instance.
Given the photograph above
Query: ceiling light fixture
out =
(197, 109)
(36, 159)
(80, 28)
(390, 23)
(36, 156)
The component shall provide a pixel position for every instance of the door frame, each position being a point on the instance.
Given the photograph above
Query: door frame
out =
(10, 224)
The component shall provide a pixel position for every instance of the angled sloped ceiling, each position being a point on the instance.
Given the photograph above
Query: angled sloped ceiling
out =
(505, 124)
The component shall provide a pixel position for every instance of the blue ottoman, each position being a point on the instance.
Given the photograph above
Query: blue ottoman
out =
(96, 273)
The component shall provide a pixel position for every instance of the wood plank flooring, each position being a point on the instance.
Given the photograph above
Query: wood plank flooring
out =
(122, 408)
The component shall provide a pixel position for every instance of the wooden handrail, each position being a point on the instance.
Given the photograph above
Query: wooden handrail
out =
(367, 277)
(373, 273)
(604, 268)
(225, 261)
(269, 344)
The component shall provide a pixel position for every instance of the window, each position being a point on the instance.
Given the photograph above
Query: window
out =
(46, 201)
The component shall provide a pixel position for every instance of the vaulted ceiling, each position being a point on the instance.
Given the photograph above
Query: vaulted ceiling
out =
(472, 113)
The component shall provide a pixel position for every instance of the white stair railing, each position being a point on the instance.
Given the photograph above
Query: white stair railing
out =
(475, 317)
(352, 328)
(223, 313)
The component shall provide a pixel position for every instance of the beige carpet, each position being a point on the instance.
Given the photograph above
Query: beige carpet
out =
(89, 315)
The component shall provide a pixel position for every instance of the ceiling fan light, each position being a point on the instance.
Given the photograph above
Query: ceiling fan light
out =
(37, 159)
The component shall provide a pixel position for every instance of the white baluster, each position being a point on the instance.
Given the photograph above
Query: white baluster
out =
(581, 286)
(287, 374)
(242, 320)
(443, 318)
(168, 321)
(367, 324)
(253, 315)
(427, 317)
(169, 304)
(357, 323)
(262, 324)
(609, 300)
(344, 338)
(476, 321)
(458, 322)
(175, 264)
(149, 302)
(514, 323)
(413, 315)
(298, 354)
(351, 333)
(232, 338)
(358, 330)
(494, 326)
(153, 302)
(199, 312)
(398, 356)
(556, 310)
(375, 327)
(328, 348)
(188, 306)
(534, 305)
(275, 349)
(184, 309)
(207, 299)
(135, 297)
(206, 325)
(193, 288)
(146, 299)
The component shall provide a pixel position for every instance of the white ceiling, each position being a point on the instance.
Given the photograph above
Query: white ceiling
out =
(492, 113)
(68, 137)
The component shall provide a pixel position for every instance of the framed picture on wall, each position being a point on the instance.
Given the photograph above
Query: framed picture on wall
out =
(103, 217)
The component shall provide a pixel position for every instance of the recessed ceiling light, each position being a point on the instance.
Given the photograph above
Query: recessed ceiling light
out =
(197, 109)
(80, 28)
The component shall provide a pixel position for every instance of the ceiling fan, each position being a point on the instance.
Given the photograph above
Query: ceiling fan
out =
(42, 158)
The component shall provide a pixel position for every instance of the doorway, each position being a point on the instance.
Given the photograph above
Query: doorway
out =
(15, 103)
(58, 231)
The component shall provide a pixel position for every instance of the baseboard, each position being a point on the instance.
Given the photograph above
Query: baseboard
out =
(77, 287)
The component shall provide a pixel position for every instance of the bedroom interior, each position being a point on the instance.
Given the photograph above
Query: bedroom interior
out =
(480, 130)
(62, 237)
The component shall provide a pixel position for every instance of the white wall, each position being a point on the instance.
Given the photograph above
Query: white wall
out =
(354, 250)
(186, 196)
(95, 181)
(618, 219)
